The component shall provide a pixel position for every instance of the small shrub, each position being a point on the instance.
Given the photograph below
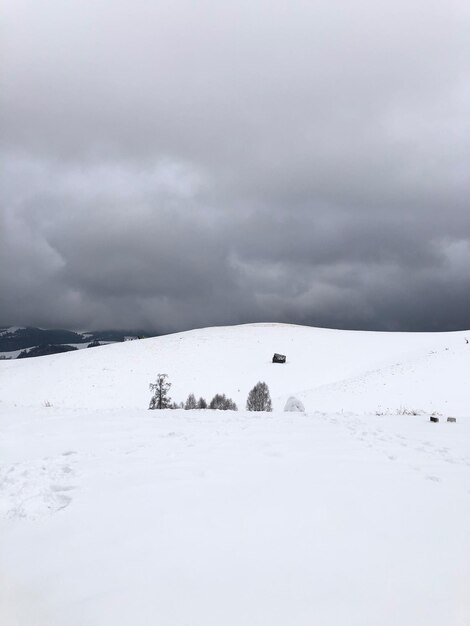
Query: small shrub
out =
(201, 403)
(190, 403)
(222, 403)
(404, 411)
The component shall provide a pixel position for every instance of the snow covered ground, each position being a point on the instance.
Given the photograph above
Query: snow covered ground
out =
(114, 515)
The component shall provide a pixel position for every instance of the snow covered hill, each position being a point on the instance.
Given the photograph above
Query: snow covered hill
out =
(330, 370)
(349, 514)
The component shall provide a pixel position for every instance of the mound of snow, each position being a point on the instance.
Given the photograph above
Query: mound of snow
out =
(294, 405)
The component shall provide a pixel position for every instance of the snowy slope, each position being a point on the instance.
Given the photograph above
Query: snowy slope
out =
(113, 515)
(329, 369)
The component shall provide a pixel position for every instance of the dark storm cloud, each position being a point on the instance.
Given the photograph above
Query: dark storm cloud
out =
(173, 164)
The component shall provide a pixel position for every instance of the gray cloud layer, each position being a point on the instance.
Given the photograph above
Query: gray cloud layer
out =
(174, 164)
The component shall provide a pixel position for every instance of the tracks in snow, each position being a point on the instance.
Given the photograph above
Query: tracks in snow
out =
(433, 461)
(34, 489)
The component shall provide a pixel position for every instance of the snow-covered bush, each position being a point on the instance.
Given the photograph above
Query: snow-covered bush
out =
(221, 402)
(294, 405)
(259, 398)
(201, 403)
(176, 405)
(190, 403)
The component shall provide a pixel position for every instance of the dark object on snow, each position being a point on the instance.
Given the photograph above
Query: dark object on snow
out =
(452, 419)
(279, 358)
(433, 419)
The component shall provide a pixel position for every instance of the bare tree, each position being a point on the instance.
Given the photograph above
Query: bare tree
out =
(259, 398)
(190, 403)
(160, 398)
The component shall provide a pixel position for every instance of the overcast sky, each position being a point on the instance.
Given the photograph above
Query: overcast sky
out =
(167, 164)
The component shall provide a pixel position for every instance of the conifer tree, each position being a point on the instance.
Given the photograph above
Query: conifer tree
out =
(259, 398)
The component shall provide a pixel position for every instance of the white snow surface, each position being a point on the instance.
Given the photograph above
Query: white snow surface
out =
(353, 513)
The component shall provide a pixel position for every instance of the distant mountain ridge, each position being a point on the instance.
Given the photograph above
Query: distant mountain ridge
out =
(14, 338)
